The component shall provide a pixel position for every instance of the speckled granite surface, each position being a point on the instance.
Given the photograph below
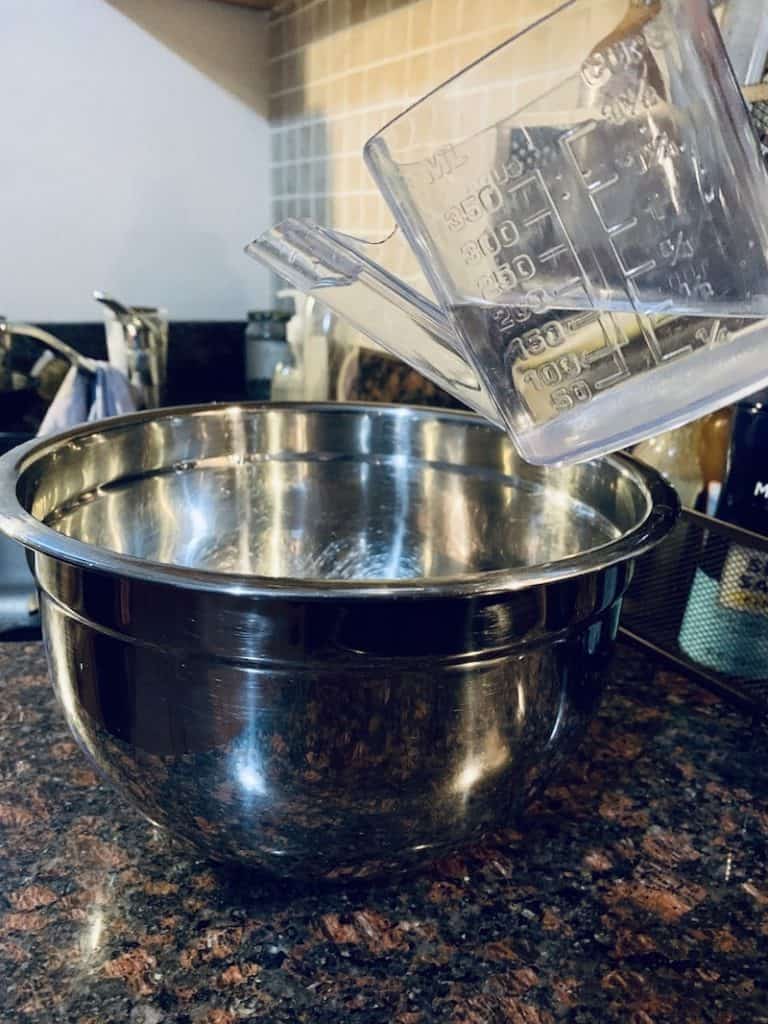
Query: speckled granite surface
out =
(637, 893)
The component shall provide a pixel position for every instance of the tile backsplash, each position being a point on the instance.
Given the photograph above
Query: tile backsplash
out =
(341, 69)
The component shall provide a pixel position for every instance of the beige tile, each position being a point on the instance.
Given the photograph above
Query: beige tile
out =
(316, 94)
(353, 137)
(342, 176)
(378, 84)
(356, 88)
(304, 30)
(400, 95)
(336, 132)
(442, 62)
(375, 8)
(319, 138)
(316, 60)
(333, 212)
(347, 212)
(321, 20)
(354, 214)
(276, 45)
(494, 37)
(355, 171)
(367, 42)
(297, 68)
(341, 55)
(467, 16)
(419, 74)
(276, 76)
(357, 36)
(445, 21)
(339, 177)
(420, 15)
(339, 15)
(398, 24)
(294, 103)
(370, 213)
(357, 12)
(374, 121)
(290, 33)
(532, 10)
(502, 12)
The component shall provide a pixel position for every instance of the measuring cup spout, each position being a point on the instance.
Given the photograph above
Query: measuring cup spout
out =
(346, 274)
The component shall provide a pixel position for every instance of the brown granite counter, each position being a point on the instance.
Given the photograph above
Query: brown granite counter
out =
(636, 892)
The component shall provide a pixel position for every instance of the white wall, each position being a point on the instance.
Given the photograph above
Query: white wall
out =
(134, 156)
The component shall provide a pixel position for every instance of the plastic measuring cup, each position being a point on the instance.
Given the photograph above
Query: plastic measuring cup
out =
(603, 159)
(588, 205)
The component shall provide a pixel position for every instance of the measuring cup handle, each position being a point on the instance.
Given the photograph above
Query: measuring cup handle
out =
(338, 271)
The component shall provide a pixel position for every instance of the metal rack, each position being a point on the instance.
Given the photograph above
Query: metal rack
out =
(657, 603)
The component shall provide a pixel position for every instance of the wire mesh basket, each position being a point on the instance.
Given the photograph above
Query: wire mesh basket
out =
(700, 603)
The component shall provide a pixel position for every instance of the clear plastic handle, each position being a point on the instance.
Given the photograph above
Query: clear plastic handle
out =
(346, 274)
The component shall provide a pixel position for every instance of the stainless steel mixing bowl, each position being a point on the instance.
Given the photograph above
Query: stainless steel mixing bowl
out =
(325, 640)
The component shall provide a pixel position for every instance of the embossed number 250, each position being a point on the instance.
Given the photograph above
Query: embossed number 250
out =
(506, 277)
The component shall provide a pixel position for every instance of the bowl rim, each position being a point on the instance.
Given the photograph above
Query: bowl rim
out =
(22, 526)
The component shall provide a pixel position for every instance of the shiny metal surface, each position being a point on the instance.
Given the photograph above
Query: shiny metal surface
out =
(325, 640)
(137, 340)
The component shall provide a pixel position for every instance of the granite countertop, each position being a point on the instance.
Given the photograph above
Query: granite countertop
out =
(636, 892)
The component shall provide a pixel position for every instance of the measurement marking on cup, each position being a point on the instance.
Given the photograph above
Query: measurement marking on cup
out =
(655, 336)
(536, 218)
(617, 229)
(677, 248)
(551, 255)
(601, 186)
(444, 162)
(643, 268)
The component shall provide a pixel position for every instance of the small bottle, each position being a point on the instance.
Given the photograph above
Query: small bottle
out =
(726, 620)
(675, 455)
(289, 374)
(265, 348)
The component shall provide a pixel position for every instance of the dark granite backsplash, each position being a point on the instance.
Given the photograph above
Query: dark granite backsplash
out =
(205, 358)
(205, 364)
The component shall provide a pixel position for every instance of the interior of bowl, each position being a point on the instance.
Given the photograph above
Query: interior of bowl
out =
(324, 493)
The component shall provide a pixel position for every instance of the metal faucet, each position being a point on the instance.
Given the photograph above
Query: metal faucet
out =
(8, 331)
(137, 340)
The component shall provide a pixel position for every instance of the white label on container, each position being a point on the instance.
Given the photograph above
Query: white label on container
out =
(744, 583)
